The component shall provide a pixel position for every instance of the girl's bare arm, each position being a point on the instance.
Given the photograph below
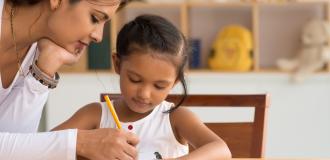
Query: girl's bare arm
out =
(189, 128)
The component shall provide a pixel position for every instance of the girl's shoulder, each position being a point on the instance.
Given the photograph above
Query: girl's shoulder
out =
(182, 117)
(91, 113)
(94, 107)
(180, 113)
(87, 117)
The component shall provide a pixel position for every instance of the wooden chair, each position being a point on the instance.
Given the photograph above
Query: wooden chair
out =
(245, 140)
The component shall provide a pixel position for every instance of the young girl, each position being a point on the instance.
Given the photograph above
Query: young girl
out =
(150, 59)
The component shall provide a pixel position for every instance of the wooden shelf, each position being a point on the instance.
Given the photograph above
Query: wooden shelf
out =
(146, 5)
(276, 27)
(216, 5)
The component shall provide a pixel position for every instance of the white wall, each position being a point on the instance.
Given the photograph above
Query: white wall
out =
(299, 115)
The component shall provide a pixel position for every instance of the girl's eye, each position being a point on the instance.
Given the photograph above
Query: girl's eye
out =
(94, 19)
(134, 80)
(159, 87)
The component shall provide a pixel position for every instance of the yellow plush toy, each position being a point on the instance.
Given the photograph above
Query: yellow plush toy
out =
(231, 51)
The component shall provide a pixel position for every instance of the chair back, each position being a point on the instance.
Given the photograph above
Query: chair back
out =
(244, 139)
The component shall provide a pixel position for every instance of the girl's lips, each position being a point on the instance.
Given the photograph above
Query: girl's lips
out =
(141, 103)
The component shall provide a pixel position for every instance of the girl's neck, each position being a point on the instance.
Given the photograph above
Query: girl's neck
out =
(28, 24)
(125, 114)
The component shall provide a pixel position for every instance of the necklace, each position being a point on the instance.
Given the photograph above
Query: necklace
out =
(12, 13)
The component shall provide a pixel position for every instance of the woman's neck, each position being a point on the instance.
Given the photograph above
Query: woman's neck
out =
(27, 23)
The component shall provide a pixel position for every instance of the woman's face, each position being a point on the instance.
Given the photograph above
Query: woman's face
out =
(74, 26)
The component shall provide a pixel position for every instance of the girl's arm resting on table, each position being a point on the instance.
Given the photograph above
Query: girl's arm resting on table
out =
(39, 146)
(87, 117)
(104, 143)
(191, 129)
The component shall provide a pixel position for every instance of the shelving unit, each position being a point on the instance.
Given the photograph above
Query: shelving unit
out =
(280, 29)
(276, 27)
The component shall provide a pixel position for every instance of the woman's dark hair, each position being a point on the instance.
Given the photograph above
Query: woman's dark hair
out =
(150, 32)
(24, 2)
(32, 2)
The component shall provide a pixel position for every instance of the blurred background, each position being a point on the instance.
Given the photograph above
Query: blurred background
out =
(237, 47)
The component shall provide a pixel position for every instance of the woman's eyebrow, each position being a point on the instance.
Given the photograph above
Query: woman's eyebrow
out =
(105, 16)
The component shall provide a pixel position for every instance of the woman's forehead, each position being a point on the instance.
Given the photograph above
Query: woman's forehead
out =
(108, 9)
(105, 2)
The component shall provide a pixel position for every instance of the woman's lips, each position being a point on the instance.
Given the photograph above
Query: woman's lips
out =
(80, 46)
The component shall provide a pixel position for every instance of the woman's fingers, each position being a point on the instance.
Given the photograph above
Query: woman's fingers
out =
(132, 138)
(106, 143)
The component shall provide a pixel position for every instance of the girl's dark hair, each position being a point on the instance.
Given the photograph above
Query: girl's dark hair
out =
(150, 32)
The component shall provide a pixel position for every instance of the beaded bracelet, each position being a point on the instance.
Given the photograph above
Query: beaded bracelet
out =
(42, 77)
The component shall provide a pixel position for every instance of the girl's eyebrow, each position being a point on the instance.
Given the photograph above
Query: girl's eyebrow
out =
(105, 16)
(163, 82)
(132, 72)
(136, 74)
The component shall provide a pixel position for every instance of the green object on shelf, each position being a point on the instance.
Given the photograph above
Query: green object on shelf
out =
(99, 53)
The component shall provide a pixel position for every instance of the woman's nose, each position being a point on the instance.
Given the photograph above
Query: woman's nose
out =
(97, 34)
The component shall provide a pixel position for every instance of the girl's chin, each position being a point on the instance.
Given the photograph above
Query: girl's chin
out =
(140, 110)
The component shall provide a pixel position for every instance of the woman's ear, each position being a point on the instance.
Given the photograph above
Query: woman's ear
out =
(55, 4)
(116, 62)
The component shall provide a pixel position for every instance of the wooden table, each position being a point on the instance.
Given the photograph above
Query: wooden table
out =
(281, 158)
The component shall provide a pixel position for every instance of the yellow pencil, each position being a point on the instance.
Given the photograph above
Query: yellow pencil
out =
(113, 111)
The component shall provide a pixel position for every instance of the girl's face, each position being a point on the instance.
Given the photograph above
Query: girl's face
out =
(145, 80)
(75, 26)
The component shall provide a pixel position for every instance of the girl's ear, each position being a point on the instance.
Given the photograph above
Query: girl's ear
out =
(176, 82)
(116, 62)
(55, 4)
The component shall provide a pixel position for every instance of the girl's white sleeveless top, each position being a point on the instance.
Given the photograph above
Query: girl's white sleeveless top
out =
(154, 131)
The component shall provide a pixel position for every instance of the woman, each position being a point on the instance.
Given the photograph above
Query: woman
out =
(63, 29)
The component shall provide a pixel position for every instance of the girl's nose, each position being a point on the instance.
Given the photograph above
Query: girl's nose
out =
(144, 93)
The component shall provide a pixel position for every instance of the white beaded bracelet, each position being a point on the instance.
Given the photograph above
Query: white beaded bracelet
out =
(43, 78)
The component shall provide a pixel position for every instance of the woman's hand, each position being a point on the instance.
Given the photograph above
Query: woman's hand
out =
(52, 57)
(106, 143)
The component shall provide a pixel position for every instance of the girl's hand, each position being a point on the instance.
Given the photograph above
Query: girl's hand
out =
(52, 57)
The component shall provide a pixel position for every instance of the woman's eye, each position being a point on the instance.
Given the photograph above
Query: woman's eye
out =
(94, 19)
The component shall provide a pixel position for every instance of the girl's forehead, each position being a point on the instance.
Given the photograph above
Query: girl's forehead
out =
(149, 67)
(148, 60)
(173, 60)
